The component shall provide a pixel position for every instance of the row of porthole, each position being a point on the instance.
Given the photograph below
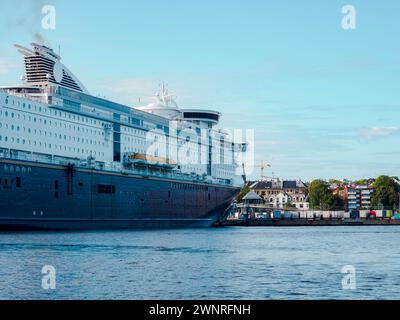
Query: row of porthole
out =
(56, 135)
(184, 186)
(12, 115)
(24, 105)
(60, 124)
(58, 113)
(79, 140)
(37, 213)
(17, 169)
(136, 131)
(71, 116)
(49, 146)
(23, 140)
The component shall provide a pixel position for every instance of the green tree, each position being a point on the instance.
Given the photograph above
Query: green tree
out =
(318, 191)
(361, 182)
(245, 190)
(386, 192)
(333, 202)
(321, 197)
(335, 181)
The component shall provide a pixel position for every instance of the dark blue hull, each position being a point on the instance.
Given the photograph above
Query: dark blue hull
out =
(51, 197)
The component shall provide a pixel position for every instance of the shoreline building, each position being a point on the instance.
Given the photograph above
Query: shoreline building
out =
(280, 194)
(252, 203)
(359, 197)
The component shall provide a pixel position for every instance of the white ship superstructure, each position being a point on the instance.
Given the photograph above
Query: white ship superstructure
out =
(52, 117)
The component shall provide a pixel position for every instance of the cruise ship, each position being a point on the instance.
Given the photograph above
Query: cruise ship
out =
(71, 160)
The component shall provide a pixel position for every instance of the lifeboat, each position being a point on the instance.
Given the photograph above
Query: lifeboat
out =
(139, 159)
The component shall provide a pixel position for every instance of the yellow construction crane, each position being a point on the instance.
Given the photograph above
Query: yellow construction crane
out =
(262, 167)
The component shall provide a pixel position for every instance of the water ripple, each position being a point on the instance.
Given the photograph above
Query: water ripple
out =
(230, 263)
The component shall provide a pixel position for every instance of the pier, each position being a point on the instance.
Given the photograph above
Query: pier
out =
(307, 223)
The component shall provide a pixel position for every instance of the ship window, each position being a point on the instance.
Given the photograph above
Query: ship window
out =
(18, 182)
(106, 189)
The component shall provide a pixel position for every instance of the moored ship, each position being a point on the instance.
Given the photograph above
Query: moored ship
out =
(70, 160)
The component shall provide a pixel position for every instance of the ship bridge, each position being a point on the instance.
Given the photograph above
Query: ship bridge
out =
(210, 117)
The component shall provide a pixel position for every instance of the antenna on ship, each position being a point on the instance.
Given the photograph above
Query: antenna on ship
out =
(164, 97)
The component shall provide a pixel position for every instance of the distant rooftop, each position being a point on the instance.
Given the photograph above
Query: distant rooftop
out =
(252, 196)
(279, 184)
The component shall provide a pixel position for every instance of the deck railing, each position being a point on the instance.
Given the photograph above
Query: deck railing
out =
(102, 166)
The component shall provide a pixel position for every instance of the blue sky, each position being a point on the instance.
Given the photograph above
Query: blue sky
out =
(324, 102)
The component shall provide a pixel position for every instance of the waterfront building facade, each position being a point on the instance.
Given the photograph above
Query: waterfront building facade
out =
(359, 197)
(280, 194)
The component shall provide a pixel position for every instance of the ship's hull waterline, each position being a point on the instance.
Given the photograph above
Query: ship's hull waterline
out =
(52, 197)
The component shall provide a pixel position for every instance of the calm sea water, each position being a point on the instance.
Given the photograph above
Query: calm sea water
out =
(228, 263)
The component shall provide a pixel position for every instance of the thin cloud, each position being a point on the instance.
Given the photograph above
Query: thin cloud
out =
(378, 132)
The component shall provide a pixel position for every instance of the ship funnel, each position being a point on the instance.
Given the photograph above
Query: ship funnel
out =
(42, 67)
